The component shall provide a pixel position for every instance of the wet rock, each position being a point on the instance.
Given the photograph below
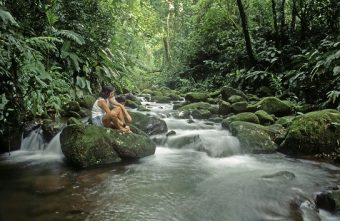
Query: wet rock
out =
(247, 116)
(264, 117)
(273, 105)
(196, 97)
(227, 92)
(50, 128)
(235, 98)
(253, 137)
(224, 108)
(161, 99)
(313, 133)
(195, 106)
(285, 121)
(239, 107)
(88, 145)
(171, 133)
(151, 125)
(191, 141)
(329, 201)
(131, 104)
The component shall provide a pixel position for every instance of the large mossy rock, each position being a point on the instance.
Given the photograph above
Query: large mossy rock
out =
(195, 106)
(224, 108)
(196, 97)
(253, 138)
(313, 133)
(89, 145)
(246, 116)
(273, 105)
(151, 125)
(264, 117)
(227, 92)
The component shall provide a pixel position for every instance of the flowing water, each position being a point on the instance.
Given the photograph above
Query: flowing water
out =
(186, 179)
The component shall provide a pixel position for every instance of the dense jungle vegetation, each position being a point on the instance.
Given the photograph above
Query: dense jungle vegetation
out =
(52, 51)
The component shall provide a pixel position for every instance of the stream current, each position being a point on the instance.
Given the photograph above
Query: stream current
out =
(185, 180)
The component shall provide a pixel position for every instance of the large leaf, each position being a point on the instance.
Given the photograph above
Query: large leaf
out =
(7, 18)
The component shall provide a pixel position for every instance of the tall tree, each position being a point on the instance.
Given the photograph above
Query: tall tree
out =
(276, 29)
(246, 31)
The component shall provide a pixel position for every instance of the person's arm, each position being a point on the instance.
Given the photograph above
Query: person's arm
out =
(114, 102)
(127, 115)
(103, 105)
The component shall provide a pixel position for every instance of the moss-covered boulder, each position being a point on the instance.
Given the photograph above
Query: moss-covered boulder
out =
(273, 105)
(224, 108)
(195, 106)
(235, 98)
(149, 124)
(89, 145)
(253, 138)
(239, 107)
(264, 117)
(201, 114)
(246, 116)
(285, 121)
(174, 97)
(131, 104)
(227, 92)
(193, 97)
(313, 133)
(86, 101)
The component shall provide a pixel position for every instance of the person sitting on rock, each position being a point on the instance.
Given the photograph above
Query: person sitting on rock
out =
(103, 116)
(124, 114)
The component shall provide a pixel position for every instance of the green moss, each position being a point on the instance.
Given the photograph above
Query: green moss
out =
(314, 132)
(247, 116)
(253, 137)
(273, 105)
(88, 145)
(195, 106)
(264, 117)
(196, 97)
(235, 98)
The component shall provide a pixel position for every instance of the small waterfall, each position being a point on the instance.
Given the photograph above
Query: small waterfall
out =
(53, 146)
(34, 141)
(34, 148)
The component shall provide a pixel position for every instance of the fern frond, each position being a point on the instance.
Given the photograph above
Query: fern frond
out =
(44, 43)
(7, 18)
(70, 35)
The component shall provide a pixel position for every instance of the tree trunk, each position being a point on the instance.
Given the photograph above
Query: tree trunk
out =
(276, 29)
(245, 31)
(294, 12)
(166, 51)
(282, 20)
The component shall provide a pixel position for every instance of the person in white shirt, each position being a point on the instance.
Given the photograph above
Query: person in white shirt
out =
(103, 116)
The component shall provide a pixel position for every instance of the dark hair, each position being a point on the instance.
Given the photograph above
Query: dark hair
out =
(105, 92)
(120, 99)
